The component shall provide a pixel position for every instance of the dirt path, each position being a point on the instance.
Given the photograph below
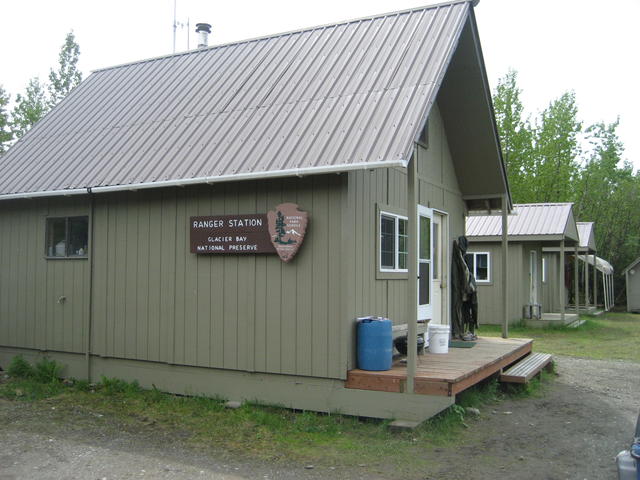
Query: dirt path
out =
(572, 431)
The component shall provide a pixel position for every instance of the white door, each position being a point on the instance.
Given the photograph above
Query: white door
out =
(425, 268)
(533, 277)
(439, 247)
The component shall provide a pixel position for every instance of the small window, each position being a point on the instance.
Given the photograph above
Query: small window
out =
(394, 244)
(67, 237)
(479, 265)
(544, 270)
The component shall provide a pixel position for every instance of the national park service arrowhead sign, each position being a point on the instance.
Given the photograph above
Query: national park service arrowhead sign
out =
(287, 226)
(280, 231)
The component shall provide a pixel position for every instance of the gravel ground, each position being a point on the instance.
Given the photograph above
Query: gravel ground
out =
(573, 430)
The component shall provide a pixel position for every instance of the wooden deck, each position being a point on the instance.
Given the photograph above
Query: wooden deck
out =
(449, 373)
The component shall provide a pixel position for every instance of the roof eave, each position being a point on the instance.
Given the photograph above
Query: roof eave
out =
(296, 172)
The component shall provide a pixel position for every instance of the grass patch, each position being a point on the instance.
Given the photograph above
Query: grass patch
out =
(610, 336)
(263, 432)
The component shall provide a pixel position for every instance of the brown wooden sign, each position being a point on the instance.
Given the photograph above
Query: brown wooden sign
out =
(231, 234)
(280, 231)
(287, 226)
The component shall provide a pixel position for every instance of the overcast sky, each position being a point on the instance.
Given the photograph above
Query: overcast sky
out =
(556, 45)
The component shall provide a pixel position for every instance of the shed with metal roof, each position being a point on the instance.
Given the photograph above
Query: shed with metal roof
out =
(120, 245)
(632, 282)
(535, 283)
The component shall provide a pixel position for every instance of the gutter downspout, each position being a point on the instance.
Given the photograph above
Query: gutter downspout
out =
(91, 257)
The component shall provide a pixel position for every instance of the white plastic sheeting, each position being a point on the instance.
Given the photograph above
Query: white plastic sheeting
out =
(607, 278)
(601, 264)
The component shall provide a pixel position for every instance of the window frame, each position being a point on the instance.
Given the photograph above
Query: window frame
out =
(475, 267)
(67, 232)
(396, 246)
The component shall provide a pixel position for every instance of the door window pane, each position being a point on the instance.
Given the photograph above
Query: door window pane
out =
(436, 253)
(425, 238)
(424, 285)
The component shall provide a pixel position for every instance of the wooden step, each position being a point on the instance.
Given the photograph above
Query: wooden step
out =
(526, 368)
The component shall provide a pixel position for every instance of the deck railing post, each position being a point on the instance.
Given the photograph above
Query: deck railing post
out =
(412, 274)
(586, 281)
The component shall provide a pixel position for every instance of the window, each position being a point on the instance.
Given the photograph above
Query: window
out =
(479, 265)
(544, 270)
(67, 237)
(394, 246)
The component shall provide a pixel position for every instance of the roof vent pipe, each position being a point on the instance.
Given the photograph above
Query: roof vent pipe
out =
(203, 30)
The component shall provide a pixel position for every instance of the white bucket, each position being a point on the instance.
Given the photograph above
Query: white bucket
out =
(438, 338)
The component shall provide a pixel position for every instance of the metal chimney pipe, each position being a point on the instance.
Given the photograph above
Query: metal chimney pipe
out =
(203, 30)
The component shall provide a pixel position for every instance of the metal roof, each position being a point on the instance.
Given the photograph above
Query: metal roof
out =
(586, 234)
(332, 98)
(631, 265)
(548, 221)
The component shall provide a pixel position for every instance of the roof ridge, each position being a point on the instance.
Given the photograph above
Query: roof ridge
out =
(281, 34)
(542, 204)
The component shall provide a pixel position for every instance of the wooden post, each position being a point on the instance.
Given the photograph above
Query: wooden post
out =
(595, 282)
(505, 265)
(561, 287)
(412, 259)
(613, 292)
(586, 280)
(576, 290)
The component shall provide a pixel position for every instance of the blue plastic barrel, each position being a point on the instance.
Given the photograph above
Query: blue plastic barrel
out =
(375, 343)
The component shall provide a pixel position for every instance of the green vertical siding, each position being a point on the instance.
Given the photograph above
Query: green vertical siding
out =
(370, 190)
(490, 294)
(157, 301)
(550, 293)
(43, 303)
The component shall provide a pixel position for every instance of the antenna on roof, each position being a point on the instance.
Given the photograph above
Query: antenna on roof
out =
(177, 24)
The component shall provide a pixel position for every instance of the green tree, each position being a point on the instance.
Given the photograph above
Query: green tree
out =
(6, 135)
(515, 136)
(556, 150)
(67, 76)
(29, 108)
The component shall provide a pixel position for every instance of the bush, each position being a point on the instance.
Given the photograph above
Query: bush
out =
(20, 368)
(47, 371)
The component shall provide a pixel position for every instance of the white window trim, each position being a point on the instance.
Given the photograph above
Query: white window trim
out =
(475, 270)
(396, 250)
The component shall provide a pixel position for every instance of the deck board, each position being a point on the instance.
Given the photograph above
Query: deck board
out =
(446, 374)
